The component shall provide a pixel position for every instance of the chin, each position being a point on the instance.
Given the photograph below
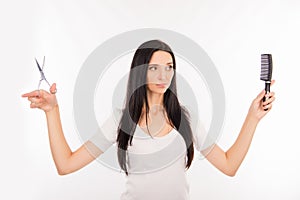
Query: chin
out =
(153, 88)
(158, 91)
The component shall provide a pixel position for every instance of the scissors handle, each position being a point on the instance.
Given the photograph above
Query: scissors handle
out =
(39, 84)
(42, 73)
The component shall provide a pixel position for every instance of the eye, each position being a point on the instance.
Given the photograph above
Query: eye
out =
(169, 67)
(152, 67)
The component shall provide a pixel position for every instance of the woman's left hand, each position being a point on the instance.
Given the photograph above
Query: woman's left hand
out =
(260, 108)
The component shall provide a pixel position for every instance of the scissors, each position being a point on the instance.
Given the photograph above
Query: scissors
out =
(43, 78)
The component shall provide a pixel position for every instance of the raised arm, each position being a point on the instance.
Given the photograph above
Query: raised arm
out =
(228, 162)
(65, 160)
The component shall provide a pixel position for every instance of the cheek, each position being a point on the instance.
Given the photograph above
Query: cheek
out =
(150, 86)
(151, 78)
(170, 77)
(150, 82)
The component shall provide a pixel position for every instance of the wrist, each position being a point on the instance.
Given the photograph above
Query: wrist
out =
(52, 110)
(252, 118)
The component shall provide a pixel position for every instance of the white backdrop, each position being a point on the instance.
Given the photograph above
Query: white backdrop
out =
(234, 33)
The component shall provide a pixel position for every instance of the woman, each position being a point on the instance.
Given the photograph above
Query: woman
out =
(155, 166)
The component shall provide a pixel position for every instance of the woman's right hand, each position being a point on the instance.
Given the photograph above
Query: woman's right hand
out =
(42, 99)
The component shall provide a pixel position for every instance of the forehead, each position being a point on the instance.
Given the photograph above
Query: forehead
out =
(161, 57)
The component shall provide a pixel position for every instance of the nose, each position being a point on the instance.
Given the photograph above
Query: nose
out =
(162, 75)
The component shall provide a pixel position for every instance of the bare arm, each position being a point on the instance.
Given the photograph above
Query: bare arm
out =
(228, 162)
(65, 160)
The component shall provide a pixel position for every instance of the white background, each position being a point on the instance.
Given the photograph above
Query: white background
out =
(234, 33)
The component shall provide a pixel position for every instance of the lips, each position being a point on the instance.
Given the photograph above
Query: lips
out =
(161, 85)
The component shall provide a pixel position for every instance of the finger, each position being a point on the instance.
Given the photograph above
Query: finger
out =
(267, 107)
(37, 100)
(260, 96)
(31, 99)
(34, 93)
(42, 93)
(33, 105)
(53, 89)
(269, 101)
(270, 94)
(272, 82)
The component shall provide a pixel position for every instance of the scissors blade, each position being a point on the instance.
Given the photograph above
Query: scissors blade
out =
(43, 63)
(38, 65)
(47, 82)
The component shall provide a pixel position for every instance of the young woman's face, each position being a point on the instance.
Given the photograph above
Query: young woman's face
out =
(160, 72)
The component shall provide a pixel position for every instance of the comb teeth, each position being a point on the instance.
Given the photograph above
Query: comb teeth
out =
(266, 67)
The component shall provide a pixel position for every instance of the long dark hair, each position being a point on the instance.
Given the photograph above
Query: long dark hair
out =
(136, 99)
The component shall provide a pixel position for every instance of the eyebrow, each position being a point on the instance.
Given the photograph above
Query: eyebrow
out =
(168, 63)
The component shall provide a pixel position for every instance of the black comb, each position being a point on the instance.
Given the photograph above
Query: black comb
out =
(266, 72)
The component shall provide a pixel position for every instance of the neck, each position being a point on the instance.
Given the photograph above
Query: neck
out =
(155, 99)
(155, 102)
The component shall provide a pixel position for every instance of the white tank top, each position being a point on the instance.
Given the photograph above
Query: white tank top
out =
(156, 165)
